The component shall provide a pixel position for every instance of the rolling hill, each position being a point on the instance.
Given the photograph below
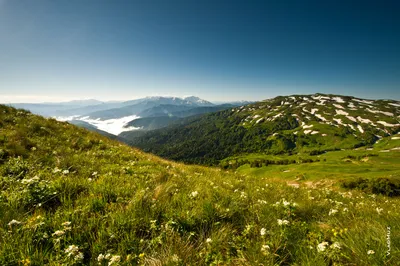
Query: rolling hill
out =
(282, 125)
(72, 197)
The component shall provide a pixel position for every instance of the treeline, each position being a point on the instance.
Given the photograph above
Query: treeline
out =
(214, 137)
(265, 162)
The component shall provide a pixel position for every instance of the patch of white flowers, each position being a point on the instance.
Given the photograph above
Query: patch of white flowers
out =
(322, 246)
(283, 222)
(332, 211)
(73, 252)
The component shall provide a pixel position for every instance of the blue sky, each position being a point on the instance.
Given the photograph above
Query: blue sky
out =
(217, 50)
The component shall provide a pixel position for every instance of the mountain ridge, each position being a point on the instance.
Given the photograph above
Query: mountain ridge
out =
(278, 125)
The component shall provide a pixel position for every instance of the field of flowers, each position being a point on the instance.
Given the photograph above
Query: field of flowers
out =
(71, 197)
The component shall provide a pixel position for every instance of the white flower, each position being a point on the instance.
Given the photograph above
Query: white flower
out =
(285, 203)
(283, 222)
(114, 260)
(333, 211)
(12, 222)
(56, 170)
(370, 252)
(100, 258)
(345, 209)
(194, 194)
(208, 240)
(379, 210)
(94, 173)
(336, 245)
(73, 251)
(58, 233)
(30, 180)
(263, 231)
(265, 249)
(65, 172)
(322, 246)
(66, 223)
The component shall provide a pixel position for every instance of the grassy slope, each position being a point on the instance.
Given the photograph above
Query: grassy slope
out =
(149, 211)
(384, 162)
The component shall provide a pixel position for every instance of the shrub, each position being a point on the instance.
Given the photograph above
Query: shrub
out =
(385, 186)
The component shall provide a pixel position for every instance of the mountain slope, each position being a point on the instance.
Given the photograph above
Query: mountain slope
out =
(72, 197)
(298, 123)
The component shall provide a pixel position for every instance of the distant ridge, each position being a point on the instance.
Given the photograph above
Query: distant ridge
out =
(284, 124)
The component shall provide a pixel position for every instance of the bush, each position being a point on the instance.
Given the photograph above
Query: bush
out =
(385, 186)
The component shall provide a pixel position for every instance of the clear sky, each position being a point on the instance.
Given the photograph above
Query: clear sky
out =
(217, 50)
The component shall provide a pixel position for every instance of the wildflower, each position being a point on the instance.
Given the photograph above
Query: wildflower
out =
(94, 173)
(100, 258)
(65, 172)
(175, 258)
(285, 203)
(107, 256)
(194, 194)
(73, 252)
(66, 223)
(56, 170)
(247, 229)
(336, 245)
(322, 246)
(265, 249)
(283, 222)
(345, 209)
(30, 180)
(333, 211)
(208, 240)
(370, 252)
(58, 233)
(12, 222)
(114, 260)
(379, 210)
(26, 262)
(263, 231)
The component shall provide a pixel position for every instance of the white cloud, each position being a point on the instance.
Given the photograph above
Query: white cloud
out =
(113, 126)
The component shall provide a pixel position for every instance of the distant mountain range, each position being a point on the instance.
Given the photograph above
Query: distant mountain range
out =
(116, 117)
(285, 124)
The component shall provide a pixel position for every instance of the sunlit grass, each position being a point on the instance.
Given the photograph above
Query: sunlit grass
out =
(85, 200)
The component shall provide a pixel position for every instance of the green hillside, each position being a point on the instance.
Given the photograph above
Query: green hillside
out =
(72, 197)
(282, 125)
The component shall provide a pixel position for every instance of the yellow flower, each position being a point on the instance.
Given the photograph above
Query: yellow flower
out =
(26, 262)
